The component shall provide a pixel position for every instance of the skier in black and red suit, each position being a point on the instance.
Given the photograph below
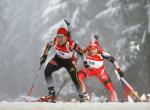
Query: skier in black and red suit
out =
(65, 48)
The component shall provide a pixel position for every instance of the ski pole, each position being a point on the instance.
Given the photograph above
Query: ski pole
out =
(30, 90)
(61, 87)
(68, 26)
(128, 85)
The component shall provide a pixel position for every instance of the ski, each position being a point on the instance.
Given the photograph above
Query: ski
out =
(41, 99)
(45, 99)
(49, 99)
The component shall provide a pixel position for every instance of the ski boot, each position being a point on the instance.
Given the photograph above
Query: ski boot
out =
(50, 97)
(85, 97)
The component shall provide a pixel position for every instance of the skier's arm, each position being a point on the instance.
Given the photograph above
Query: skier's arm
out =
(47, 48)
(81, 53)
(110, 58)
(45, 53)
(107, 56)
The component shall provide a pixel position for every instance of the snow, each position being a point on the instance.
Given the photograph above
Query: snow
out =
(112, 3)
(73, 106)
(109, 12)
(53, 9)
(38, 20)
(148, 16)
(143, 37)
(133, 29)
(74, 18)
(133, 6)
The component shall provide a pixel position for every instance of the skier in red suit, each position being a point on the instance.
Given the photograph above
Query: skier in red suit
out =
(95, 58)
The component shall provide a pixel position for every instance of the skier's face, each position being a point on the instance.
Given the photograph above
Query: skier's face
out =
(62, 40)
(93, 51)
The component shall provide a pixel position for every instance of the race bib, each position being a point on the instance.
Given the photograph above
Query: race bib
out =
(95, 64)
(65, 55)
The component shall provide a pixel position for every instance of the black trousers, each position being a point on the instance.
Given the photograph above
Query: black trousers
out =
(57, 63)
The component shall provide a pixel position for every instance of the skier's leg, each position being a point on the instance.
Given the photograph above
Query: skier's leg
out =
(112, 92)
(81, 76)
(50, 68)
(73, 73)
(104, 78)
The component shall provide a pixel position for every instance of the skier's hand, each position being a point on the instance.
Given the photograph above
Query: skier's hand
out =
(121, 74)
(43, 59)
(86, 65)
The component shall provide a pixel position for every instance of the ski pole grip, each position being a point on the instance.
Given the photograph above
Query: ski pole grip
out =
(117, 74)
(96, 37)
(66, 22)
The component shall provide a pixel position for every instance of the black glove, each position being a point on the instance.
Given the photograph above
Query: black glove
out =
(121, 74)
(67, 22)
(86, 65)
(43, 59)
(96, 37)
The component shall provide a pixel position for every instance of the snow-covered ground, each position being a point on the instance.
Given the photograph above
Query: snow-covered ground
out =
(73, 106)
(26, 26)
